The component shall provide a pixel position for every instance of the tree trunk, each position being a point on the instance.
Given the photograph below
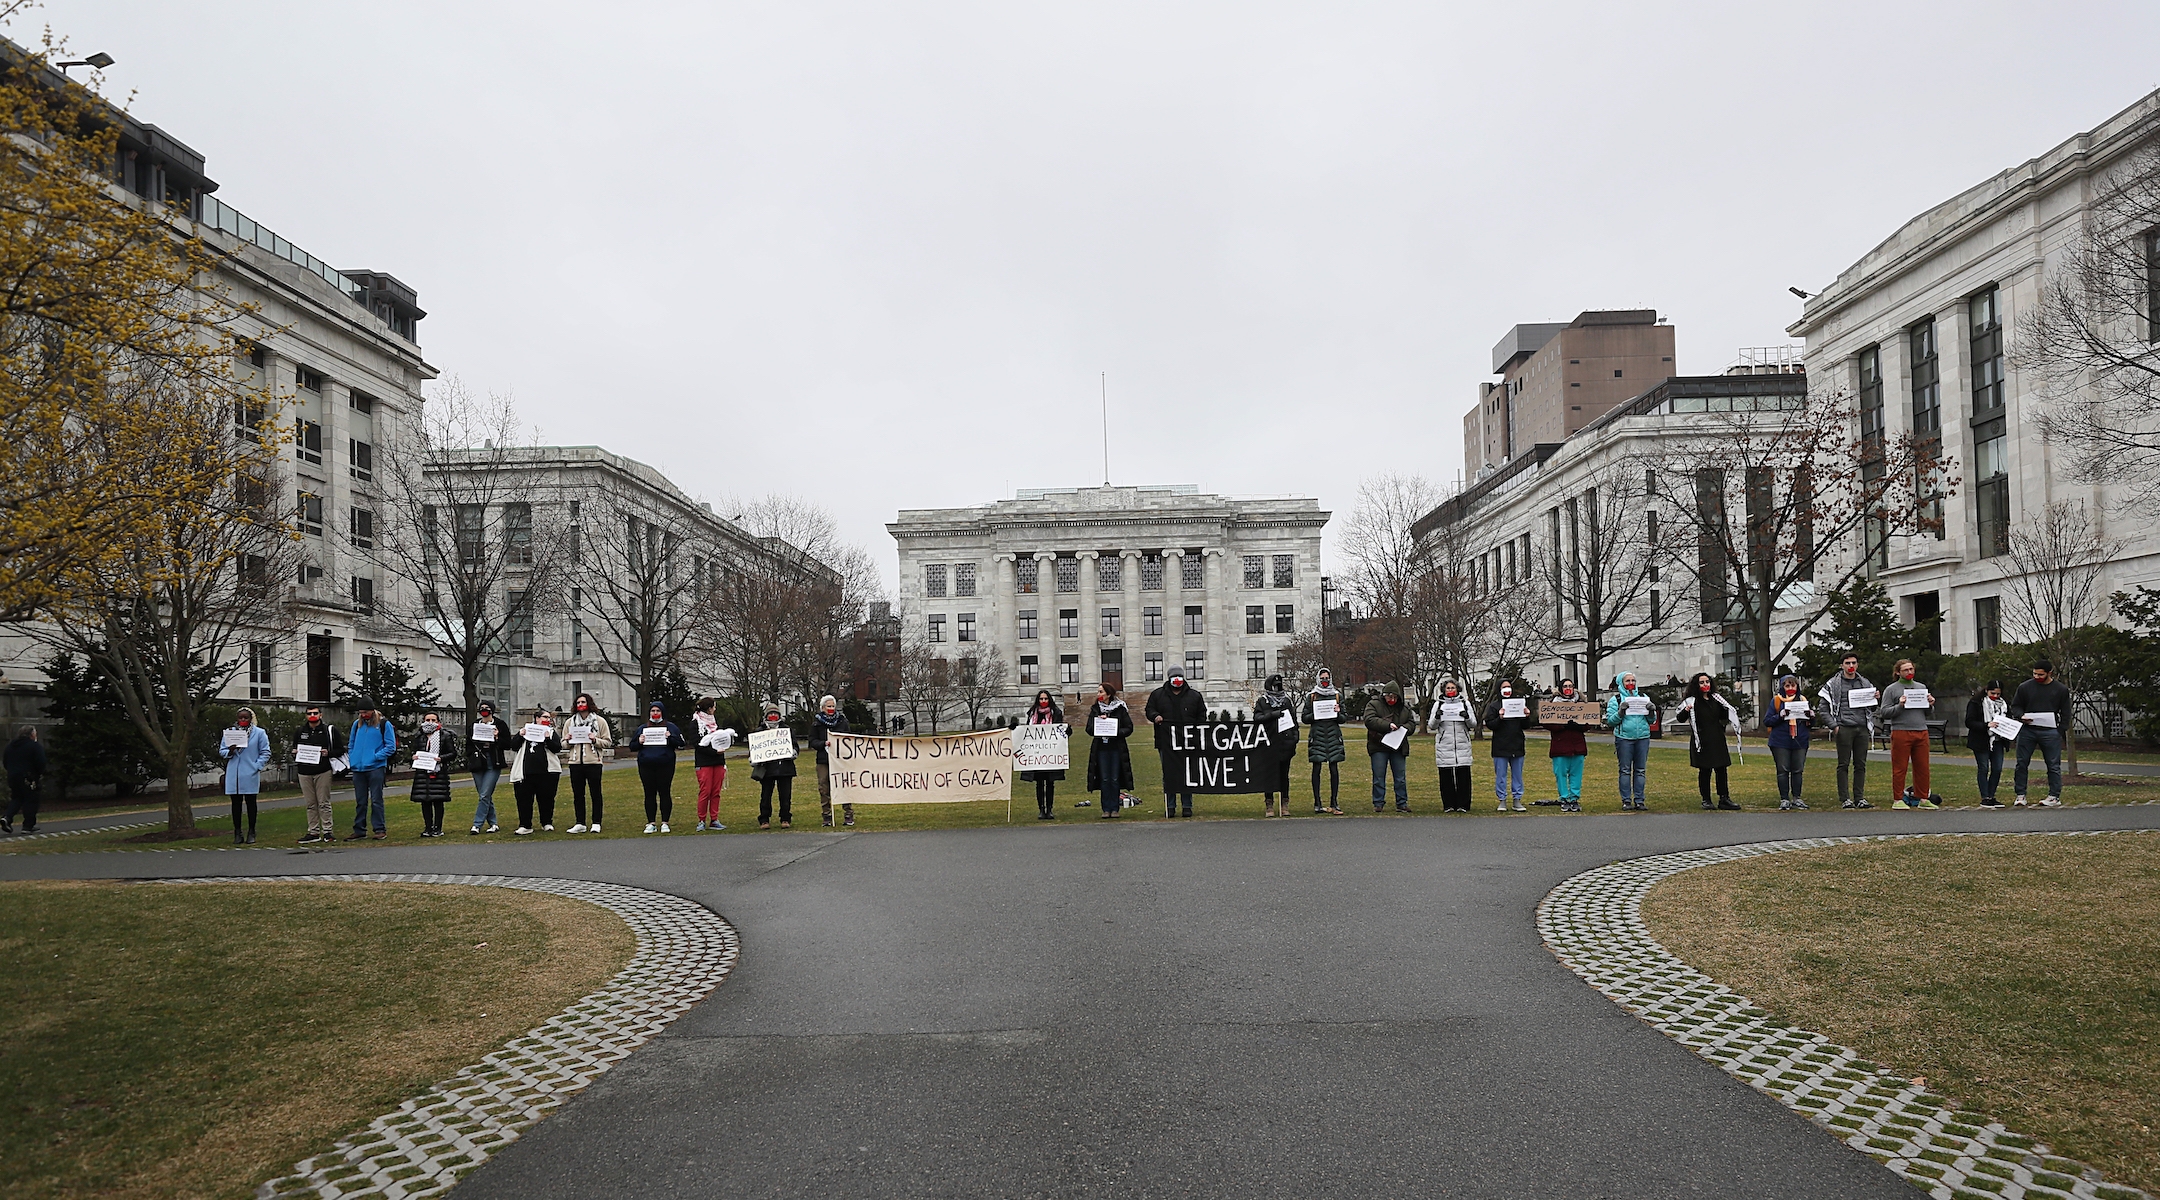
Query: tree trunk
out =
(179, 811)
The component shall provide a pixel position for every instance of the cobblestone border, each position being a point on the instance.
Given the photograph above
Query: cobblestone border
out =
(1593, 924)
(684, 950)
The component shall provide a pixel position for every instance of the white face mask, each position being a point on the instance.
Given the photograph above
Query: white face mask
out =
(430, 726)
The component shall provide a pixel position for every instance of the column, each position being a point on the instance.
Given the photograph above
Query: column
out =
(1090, 626)
(1224, 683)
(1173, 611)
(1005, 608)
(1045, 603)
(1135, 645)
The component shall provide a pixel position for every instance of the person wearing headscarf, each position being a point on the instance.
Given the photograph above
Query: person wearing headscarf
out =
(536, 771)
(1790, 727)
(777, 775)
(588, 743)
(1326, 743)
(1981, 712)
(1167, 708)
(1509, 746)
(657, 741)
(1109, 761)
(431, 787)
(828, 720)
(1044, 711)
(1278, 712)
(1709, 715)
(1567, 749)
(244, 763)
(1631, 716)
(1451, 720)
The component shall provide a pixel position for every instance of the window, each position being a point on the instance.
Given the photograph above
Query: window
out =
(577, 639)
(1027, 624)
(310, 514)
(518, 625)
(518, 533)
(1256, 664)
(1151, 666)
(1151, 620)
(967, 627)
(257, 357)
(308, 574)
(577, 537)
(967, 670)
(1255, 570)
(1867, 365)
(250, 494)
(1927, 414)
(248, 418)
(1068, 622)
(360, 402)
(1991, 457)
(310, 380)
(1285, 570)
(1151, 572)
(933, 580)
(1193, 623)
(2152, 286)
(1109, 571)
(1286, 618)
(1113, 664)
(1192, 571)
(937, 627)
(1616, 373)
(1987, 352)
(1068, 668)
(1112, 626)
(577, 599)
(1024, 576)
(471, 524)
(1508, 558)
(254, 573)
(363, 593)
(963, 579)
(262, 661)
(307, 441)
(1030, 669)
(1256, 618)
(363, 528)
(1068, 574)
(1987, 622)
(1195, 665)
(1657, 611)
(360, 460)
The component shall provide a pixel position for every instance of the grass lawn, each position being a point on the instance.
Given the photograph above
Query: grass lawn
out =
(2013, 974)
(1672, 789)
(195, 1041)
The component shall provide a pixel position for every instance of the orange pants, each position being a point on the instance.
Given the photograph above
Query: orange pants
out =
(709, 782)
(1908, 744)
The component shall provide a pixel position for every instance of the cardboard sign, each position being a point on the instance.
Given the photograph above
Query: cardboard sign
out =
(1581, 712)
(236, 739)
(307, 756)
(483, 731)
(537, 732)
(1221, 758)
(1326, 710)
(1043, 747)
(1106, 727)
(2007, 727)
(1918, 698)
(1394, 738)
(1514, 706)
(772, 745)
(425, 763)
(954, 768)
(651, 735)
(1861, 697)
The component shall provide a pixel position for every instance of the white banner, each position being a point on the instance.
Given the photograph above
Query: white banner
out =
(771, 745)
(939, 769)
(1041, 748)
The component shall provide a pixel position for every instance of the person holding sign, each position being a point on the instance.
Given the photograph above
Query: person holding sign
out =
(1849, 707)
(776, 774)
(587, 744)
(1323, 715)
(709, 759)
(368, 749)
(1790, 731)
(1567, 749)
(828, 720)
(1709, 715)
(1109, 762)
(1450, 721)
(1507, 716)
(486, 756)
(1167, 707)
(536, 771)
(1984, 714)
(657, 741)
(2041, 706)
(1275, 709)
(1631, 716)
(1905, 708)
(313, 747)
(432, 758)
(1388, 723)
(246, 751)
(1044, 711)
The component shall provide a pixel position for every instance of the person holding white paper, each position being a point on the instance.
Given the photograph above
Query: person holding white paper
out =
(1044, 711)
(657, 741)
(487, 758)
(1508, 745)
(777, 775)
(2042, 705)
(1709, 715)
(1275, 709)
(1450, 720)
(1568, 748)
(588, 742)
(1790, 727)
(1631, 716)
(1908, 737)
(1849, 709)
(434, 753)
(1388, 722)
(246, 751)
(1109, 770)
(709, 759)
(1323, 716)
(1984, 713)
(313, 747)
(536, 774)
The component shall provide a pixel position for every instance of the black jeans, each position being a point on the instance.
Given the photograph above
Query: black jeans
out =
(786, 788)
(243, 803)
(539, 790)
(1170, 798)
(431, 814)
(1045, 796)
(659, 781)
(1703, 775)
(1334, 784)
(1455, 789)
(582, 776)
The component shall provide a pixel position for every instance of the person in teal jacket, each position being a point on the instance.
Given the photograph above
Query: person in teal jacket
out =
(244, 765)
(1630, 715)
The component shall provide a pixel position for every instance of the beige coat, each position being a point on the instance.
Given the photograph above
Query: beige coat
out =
(603, 741)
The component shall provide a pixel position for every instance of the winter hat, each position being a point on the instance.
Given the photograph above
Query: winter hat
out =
(661, 708)
(1274, 683)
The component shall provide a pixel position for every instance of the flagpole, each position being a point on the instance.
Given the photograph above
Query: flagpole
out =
(1106, 429)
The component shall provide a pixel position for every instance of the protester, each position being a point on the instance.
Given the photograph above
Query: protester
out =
(1044, 711)
(1981, 712)
(536, 772)
(1326, 745)
(2042, 705)
(244, 765)
(431, 786)
(1631, 716)
(1853, 726)
(1568, 748)
(1709, 715)
(1109, 761)
(1508, 746)
(588, 743)
(25, 764)
(368, 749)
(777, 775)
(828, 720)
(487, 757)
(657, 741)
(709, 759)
(1168, 707)
(1908, 738)
(1788, 722)
(317, 743)
(1278, 712)
(1386, 716)
(1450, 721)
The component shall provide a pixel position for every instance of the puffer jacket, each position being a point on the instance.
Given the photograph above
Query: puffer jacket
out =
(435, 785)
(1451, 731)
(1627, 726)
(1326, 745)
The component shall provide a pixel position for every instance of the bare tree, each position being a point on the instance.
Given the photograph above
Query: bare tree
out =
(1380, 543)
(639, 575)
(926, 684)
(1613, 581)
(1453, 613)
(787, 612)
(980, 678)
(2054, 594)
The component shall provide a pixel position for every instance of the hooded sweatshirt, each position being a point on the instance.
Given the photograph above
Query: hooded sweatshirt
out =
(664, 752)
(1625, 725)
(1387, 712)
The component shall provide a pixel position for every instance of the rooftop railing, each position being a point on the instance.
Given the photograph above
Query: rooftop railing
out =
(220, 215)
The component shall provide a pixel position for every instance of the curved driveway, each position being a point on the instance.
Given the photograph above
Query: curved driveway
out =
(1226, 1008)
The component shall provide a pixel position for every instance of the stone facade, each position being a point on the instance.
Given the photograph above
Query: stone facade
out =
(1127, 583)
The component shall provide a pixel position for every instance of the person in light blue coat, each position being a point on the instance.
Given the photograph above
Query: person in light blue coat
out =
(244, 765)
(1630, 715)
(368, 749)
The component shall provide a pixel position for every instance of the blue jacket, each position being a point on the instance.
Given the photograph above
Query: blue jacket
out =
(1782, 731)
(244, 764)
(663, 753)
(1625, 725)
(369, 747)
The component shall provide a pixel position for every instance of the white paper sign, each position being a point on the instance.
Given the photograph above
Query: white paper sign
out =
(1638, 706)
(339, 765)
(1861, 697)
(771, 745)
(1453, 710)
(1284, 723)
(1042, 747)
(483, 731)
(1325, 710)
(1917, 698)
(718, 739)
(1106, 727)
(307, 756)
(235, 739)
(1515, 707)
(2045, 720)
(1796, 710)
(651, 735)
(536, 732)
(1394, 739)
(425, 763)
(581, 737)
(2007, 727)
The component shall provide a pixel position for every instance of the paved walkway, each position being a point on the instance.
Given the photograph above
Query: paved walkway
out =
(1228, 1008)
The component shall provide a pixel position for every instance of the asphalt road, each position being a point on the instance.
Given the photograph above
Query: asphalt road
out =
(1228, 1008)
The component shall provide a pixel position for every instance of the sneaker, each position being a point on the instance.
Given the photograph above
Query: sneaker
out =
(849, 822)
(1518, 805)
(523, 832)
(2021, 802)
(2052, 802)
(664, 828)
(1928, 803)
(578, 828)
(701, 827)
(549, 828)
(764, 824)
(476, 830)
(309, 840)
(1784, 806)
(593, 828)
(1798, 804)
(1500, 807)
(1861, 804)
(828, 822)
(1847, 804)
(492, 827)
(7, 827)
(1990, 802)
(651, 828)
(714, 827)
(787, 824)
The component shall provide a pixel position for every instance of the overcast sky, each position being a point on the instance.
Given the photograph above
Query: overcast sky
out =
(879, 253)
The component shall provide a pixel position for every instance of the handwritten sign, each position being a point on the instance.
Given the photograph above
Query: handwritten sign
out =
(1561, 712)
(653, 735)
(1638, 706)
(1454, 710)
(235, 739)
(2007, 727)
(1106, 727)
(1514, 706)
(1861, 697)
(308, 756)
(1917, 698)
(1043, 747)
(1326, 710)
(1795, 710)
(1221, 758)
(956, 768)
(1285, 723)
(425, 763)
(2043, 720)
(536, 732)
(771, 745)
(483, 731)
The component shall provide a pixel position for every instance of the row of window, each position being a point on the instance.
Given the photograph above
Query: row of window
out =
(1028, 625)
(1260, 571)
(1151, 663)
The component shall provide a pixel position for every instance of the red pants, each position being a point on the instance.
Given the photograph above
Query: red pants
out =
(1908, 744)
(709, 782)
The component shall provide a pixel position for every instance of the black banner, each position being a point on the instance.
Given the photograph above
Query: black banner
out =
(1220, 758)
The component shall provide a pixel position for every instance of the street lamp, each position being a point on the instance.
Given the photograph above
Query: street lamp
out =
(97, 62)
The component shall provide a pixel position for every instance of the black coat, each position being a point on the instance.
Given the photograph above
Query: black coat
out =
(1186, 708)
(779, 768)
(25, 758)
(1268, 711)
(820, 730)
(490, 756)
(1507, 732)
(325, 735)
(1110, 749)
(435, 785)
